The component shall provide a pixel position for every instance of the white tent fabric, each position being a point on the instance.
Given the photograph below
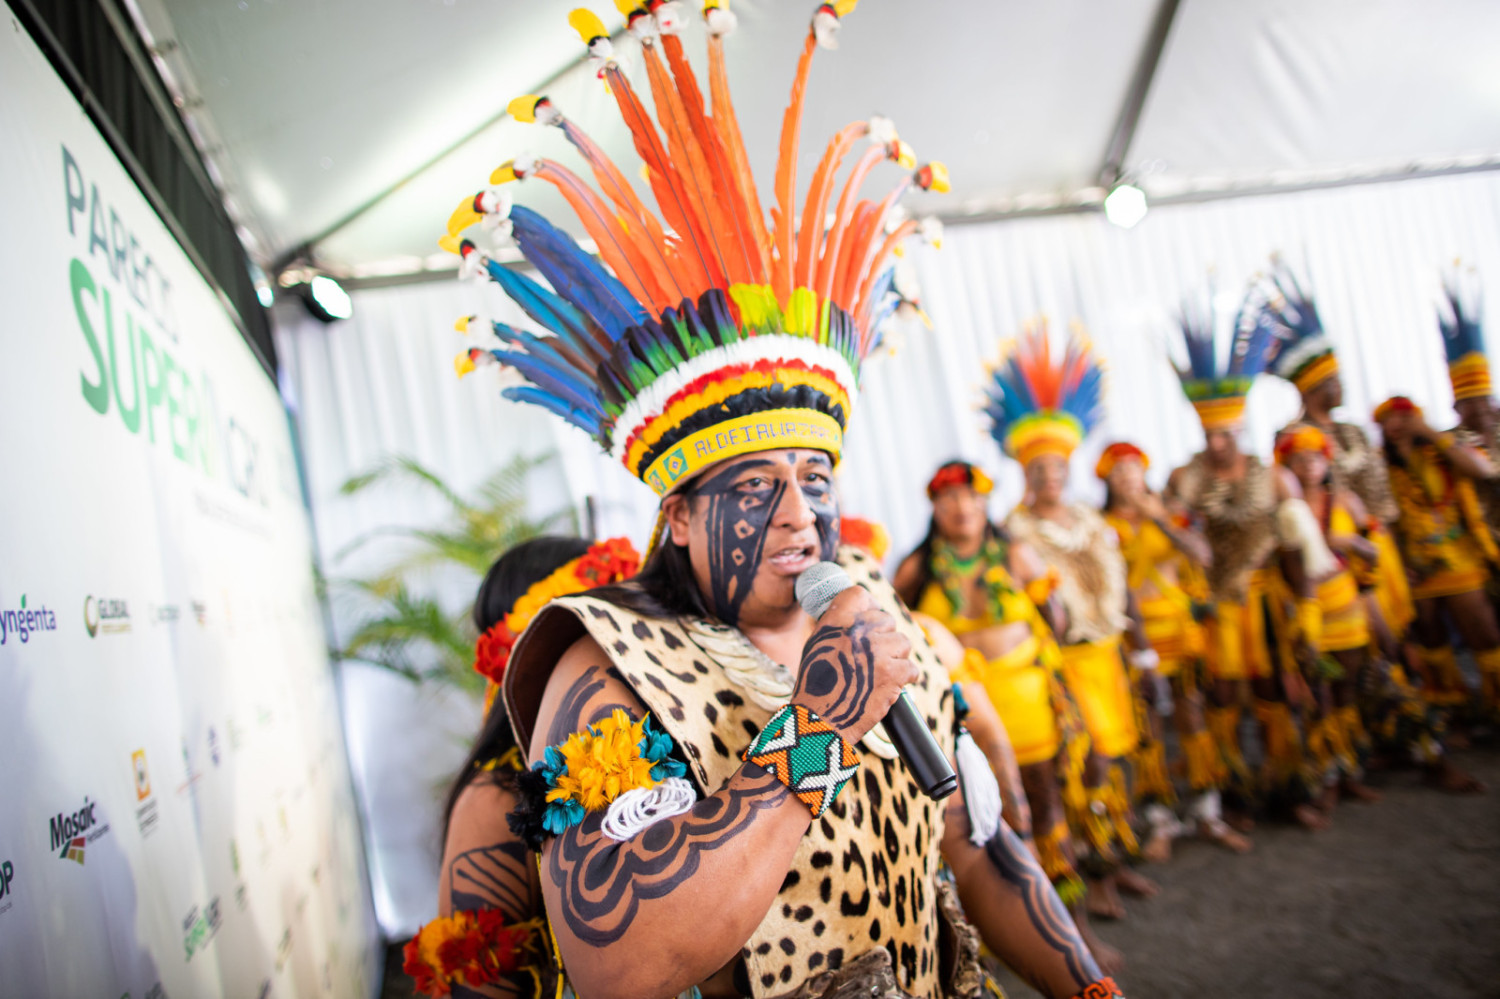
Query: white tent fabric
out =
(384, 382)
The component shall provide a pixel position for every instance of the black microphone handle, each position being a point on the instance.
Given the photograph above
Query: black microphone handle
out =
(919, 750)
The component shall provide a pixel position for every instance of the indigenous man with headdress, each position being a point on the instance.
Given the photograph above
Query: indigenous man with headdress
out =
(1233, 498)
(1041, 407)
(719, 365)
(1303, 354)
(1372, 703)
(996, 594)
(1164, 559)
(1446, 545)
(1469, 373)
(490, 936)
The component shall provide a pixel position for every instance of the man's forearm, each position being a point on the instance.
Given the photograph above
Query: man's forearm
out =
(668, 908)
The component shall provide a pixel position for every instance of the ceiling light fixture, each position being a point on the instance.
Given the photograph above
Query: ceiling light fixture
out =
(326, 299)
(1125, 206)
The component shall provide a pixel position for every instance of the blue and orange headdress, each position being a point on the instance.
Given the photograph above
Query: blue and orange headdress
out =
(1040, 405)
(1300, 352)
(703, 334)
(1218, 391)
(1463, 338)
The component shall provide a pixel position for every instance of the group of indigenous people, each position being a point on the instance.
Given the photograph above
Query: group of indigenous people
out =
(683, 786)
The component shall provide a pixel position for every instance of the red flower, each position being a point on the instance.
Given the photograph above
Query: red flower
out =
(492, 651)
(607, 562)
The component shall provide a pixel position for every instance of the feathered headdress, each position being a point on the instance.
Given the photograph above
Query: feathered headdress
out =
(703, 334)
(1300, 352)
(1463, 337)
(1217, 391)
(1038, 404)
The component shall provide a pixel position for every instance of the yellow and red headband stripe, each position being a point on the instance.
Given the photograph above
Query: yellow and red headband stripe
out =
(1470, 376)
(1223, 413)
(1316, 372)
(1045, 432)
(960, 473)
(1304, 438)
(1395, 404)
(1116, 453)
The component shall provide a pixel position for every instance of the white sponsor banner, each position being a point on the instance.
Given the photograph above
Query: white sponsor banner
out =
(176, 816)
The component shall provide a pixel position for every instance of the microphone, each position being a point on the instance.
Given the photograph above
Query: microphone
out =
(815, 590)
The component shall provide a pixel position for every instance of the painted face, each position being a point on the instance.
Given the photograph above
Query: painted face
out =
(1310, 467)
(1221, 445)
(753, 524)
(959, 512)
(1128, 477)
(1047, 477)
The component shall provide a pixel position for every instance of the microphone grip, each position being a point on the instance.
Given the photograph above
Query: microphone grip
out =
(920, 752)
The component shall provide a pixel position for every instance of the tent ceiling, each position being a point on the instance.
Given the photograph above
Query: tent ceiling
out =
(313, 112)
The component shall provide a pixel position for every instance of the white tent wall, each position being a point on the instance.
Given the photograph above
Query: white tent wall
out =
(383, 383)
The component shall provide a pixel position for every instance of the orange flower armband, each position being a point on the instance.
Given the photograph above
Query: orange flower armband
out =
(806, 754)
(1104, 988)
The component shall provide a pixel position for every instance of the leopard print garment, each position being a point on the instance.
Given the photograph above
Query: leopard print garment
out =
(1359, 467)
(865, 874)
(1239, 521)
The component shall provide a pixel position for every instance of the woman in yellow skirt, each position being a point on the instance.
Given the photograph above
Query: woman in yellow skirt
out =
(1041, 406)
(1446, 545)
(1164, 560)
(1371, 702)
(992, 593)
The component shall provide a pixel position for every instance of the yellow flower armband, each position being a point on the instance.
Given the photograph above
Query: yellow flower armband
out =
(806, 754)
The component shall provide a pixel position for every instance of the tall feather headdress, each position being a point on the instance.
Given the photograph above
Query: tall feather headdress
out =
(1218, 388)
(1463, 336)
(702, 333)
(1300, 351)
(1040, 403)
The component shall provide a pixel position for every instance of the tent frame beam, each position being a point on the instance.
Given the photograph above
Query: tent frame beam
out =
(1112, 169)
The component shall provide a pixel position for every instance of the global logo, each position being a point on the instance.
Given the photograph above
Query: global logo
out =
(25, 621)
(108, 617)
(71, 833)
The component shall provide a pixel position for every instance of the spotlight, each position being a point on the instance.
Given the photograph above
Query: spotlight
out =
(326, 299)
(1125, 206)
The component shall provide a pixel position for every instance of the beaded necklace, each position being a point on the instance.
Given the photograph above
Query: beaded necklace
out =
(954, 575)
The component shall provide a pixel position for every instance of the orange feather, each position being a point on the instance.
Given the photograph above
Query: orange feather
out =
(784, 214)
(729, 132)
(816, 203)
(691, 170)
(834, 242)
(615, 247)
(865, 308)
(845, 280)
(728, 198)
(864, 244)
(660, 174)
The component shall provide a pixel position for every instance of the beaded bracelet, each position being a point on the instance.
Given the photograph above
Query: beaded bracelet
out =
(1104, 988)
(806, 754)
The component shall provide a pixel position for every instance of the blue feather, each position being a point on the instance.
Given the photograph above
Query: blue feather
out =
(574, 274)
(536, 397)
(544, 307)
(562, 382)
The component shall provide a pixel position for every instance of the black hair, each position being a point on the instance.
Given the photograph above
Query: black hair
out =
(665, 586)
(509, 578)
(912, 594)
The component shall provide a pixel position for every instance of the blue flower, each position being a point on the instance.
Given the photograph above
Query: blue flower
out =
(560, 815)
(552, 765)
(656, 746)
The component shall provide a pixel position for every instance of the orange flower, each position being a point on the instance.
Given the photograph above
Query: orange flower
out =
(472, 949)
(866, 534)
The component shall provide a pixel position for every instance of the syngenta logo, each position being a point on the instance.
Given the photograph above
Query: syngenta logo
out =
(72, 832)
(24, 622)
(111, 617)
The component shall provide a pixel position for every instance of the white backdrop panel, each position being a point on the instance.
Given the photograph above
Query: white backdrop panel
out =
(176, 816)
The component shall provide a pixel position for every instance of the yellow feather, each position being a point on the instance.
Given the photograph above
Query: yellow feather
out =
(843, 8)
(504, 173)
(523, 108)
(449, 242)
(463, 364)
(463, 216)
(587, 24)
(462, 325)
(939, 177)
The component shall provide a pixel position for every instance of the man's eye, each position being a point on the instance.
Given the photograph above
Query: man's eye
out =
(753, 483)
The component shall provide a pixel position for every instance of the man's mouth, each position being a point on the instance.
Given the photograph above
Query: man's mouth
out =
(794, 558)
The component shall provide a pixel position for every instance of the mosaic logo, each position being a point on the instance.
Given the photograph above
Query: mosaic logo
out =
(108, 617)
(163, 613)
(7, 886)
(148, 814)
(70, 833)
(200, 926)
(25, 621)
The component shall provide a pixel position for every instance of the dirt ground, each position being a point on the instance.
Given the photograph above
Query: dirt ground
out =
(1399, 898)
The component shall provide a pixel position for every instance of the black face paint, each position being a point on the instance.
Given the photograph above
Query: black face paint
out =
(739, 515)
